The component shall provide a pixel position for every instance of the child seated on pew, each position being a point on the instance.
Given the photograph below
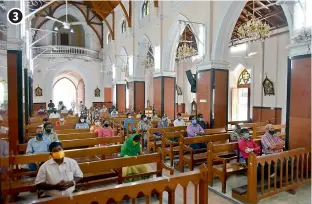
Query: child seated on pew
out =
(132, 148)
(82, 124)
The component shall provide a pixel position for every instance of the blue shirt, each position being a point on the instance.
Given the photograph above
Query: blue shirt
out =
(35, 146)
(129, 120)
(82, 126)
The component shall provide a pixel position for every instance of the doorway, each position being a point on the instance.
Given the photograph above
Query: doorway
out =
(64, 90)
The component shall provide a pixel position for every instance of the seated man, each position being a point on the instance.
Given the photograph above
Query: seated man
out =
(163, 123)
(235, 136)
(179, 121)
(167, 117)
(59, 175)
(247, 145)
(271, 142)
(54, 115)
(201, 122)
(38, 144)
(114, 113)
(193, 130)
(127, 121)
(49, 133)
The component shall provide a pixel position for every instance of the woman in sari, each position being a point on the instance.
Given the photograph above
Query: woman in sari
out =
(131, 148)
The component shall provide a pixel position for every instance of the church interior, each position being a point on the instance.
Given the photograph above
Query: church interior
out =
(152, 101)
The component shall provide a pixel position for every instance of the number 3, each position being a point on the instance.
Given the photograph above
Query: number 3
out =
(15, 16)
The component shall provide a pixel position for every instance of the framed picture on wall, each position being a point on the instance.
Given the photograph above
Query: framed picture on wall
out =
(97, 92)
(38, 91)
(268, 86)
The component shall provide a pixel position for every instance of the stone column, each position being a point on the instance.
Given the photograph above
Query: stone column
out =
(121, 96)
(212, 93)
(137, 94)
(164, 93)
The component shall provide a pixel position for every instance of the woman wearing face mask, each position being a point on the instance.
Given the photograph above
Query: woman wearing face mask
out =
(49, 133)
(60, 122)
(106, 131)
(247, 145)
(82, 124)
(131, 148)
(163, 123)
(96, 127)
(144, 124)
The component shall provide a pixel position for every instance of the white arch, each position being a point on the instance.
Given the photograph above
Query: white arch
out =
(222, 36)
(172, 42)
(143, 47)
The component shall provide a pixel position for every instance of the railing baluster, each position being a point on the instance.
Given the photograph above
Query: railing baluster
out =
(171, 197)
(302, 162)
(184, 194)
(269, 178)
(292, 170)
(195, 193)
(281, 173)
(297, 169)
(287, 171)
(147, 199)
(262, 179)
(307, 167)
(275, 174)
(160, 197)
(133, 200)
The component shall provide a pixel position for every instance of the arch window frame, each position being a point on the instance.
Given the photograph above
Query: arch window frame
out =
(244, 79)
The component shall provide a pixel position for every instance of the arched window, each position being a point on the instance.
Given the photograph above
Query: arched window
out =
(123, 26)
(244, 79)
(109, 38)
(145, 8)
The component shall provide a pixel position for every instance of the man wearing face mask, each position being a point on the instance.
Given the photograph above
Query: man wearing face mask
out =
(54, 115)
(201, 122)
(247, 145)
(144, 124)
(271, 142)
(194, 130)
(38, 144)
(127, 121)
(179, 121)
(59, 175)
(49, 133)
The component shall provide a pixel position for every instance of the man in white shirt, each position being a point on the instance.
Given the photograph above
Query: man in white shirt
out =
(59, 175)
(179, 121)
(54, 115)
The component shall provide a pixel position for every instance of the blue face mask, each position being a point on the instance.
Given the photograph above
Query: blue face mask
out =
(39, 135)
(194, 122)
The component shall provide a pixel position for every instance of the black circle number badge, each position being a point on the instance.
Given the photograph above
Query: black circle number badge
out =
(15, 16)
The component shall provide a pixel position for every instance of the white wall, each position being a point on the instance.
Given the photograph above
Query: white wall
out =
(89, 72)
(275, 66)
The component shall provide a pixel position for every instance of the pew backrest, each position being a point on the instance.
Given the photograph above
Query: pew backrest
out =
(205, 139)
(214, 131)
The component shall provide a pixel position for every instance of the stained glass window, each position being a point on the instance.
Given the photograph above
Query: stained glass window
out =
(123, 26)
(145, 9)
(244, 79)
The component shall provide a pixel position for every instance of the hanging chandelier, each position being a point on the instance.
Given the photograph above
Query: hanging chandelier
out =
(254, 29)
(186, 49)
(147, 62)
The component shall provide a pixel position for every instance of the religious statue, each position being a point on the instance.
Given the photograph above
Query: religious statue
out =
(193, 107)
(268, 87)
(97, 92)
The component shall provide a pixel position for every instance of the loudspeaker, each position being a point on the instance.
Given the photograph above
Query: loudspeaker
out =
(192, 80)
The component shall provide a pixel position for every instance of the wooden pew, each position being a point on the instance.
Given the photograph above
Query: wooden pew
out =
(18, 184)
(192, 157)
(170, 144)
(75, 136)
(154, 142)
(226, 168)
(296, 171)
(148, 187)
(214, 131)
(74, 144)
(71, 131)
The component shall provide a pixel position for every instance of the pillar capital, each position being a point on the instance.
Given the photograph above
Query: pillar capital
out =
(297, 49)
(214, 64)
(163, 73)
(132, 79)
(119, 82)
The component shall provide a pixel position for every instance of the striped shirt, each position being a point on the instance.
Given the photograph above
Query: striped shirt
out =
(267, 140)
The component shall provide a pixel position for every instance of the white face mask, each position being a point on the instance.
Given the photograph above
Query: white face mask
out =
(82, 120)
(62, 119)
(98, 123)
(179, 118)
(144, 119)
(129, 116)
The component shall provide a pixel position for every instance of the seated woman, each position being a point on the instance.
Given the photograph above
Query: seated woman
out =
(61, 122)
(96, 127)
(235, 136)
(82, 124)
(131, 148)
(194, 130)
(246, 145)
(163, 123)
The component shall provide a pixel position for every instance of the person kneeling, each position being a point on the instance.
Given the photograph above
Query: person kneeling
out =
(131, 148)
(59, 175)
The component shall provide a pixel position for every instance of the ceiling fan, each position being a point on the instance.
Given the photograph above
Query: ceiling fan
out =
(66, 24)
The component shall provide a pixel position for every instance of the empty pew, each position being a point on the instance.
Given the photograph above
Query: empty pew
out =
(170, 144)
(294, 171)
(148, 187)
(78, 143)
(226, 168)
(154, 142)
(192, 156)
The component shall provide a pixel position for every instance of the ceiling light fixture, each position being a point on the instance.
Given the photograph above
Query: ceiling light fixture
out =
(71, 30)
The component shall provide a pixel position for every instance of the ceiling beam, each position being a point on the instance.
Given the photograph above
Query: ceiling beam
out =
(128, 15)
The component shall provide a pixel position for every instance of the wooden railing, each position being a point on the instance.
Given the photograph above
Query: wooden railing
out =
(291, 169)
(115, 194)
(58, 50)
